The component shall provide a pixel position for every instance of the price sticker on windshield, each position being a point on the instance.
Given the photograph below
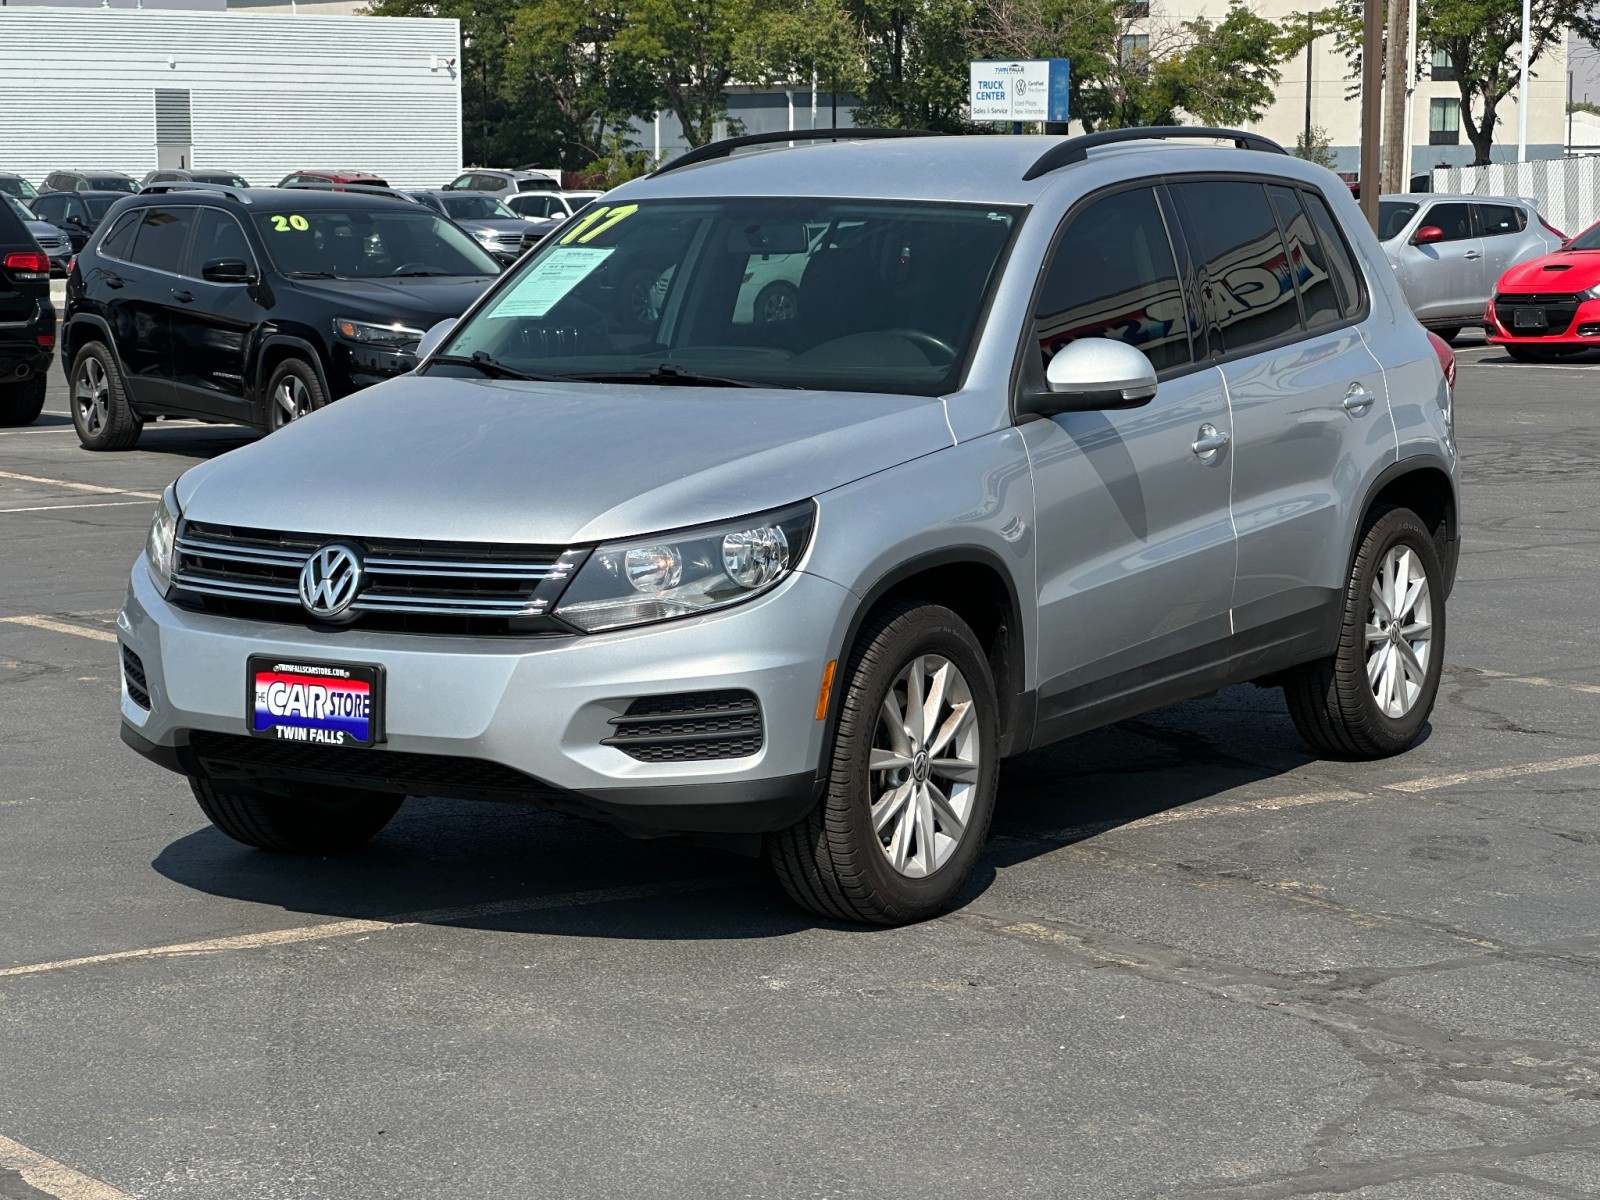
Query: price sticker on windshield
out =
(596, 223)
(537, 292)
(283, 224)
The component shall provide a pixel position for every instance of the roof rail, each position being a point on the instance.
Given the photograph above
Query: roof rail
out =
(190, 185)
(368, 189)
(727, 146)
(1076, 150)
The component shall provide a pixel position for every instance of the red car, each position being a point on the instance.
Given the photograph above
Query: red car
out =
(364, 177)
(1547, 307)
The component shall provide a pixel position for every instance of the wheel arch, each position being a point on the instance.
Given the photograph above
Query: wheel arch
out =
(1424, 484)
(83, 328)
(274, 348)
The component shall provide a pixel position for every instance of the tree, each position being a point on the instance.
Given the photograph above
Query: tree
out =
(794, 43)
(689, 48)
(916, 54)
(1320, 149)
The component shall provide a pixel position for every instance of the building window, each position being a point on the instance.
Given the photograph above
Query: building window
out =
(1443, 68)
(1444, 122)
(1131, 45)
(1136, 10)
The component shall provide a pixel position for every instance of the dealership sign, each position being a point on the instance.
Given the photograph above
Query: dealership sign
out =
(1028, 89)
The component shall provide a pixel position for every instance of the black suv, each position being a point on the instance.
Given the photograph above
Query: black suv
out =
(89, 181)
(27, 321)
(77, 214)
(253, 305)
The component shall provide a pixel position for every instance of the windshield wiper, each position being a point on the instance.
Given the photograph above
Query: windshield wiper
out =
(668, 373)
(310, 275)
(416, 274)
(495, 369)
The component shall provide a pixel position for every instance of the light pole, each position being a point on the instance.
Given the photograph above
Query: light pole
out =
(1522, 84)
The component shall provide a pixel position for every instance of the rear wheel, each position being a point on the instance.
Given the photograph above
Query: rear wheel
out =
(1449, 332)
(101, 413)
(778, 301)
(911, 781)
(21, 403)
(293, 391)
(316, 820)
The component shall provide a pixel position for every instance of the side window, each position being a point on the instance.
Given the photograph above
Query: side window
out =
(77, 210)
(1454, 219)
(216, 235)
(162, 232)
(1112, 275)
(1341, 265)
(116, 243)
(49, 208)
(1498, 219)
(1319, 301)
(1245, 287)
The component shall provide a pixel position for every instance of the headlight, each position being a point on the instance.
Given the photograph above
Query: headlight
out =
(487, 236)
(1590, 293)
(681, 574)
(163, 532)
(395, 337)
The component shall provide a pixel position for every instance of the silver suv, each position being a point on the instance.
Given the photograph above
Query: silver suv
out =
(1061, 430)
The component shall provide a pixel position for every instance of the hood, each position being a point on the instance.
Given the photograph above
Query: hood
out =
(554, 464)
(514, 225)
(43, 229)
(427, 300)
(1561, 272)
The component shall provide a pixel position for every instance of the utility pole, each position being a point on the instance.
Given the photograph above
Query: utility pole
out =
(1395, 174)
(1522, 84)
(1371, 106)
(1310, 38)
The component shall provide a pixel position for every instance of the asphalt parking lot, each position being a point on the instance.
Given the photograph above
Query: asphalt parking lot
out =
(1193, 961)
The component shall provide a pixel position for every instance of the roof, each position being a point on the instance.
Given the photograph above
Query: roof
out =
(270, 199)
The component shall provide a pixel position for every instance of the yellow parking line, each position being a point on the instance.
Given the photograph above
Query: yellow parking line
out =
(1432, 783)
(79, 487)
(99, 635)
(53, 1178)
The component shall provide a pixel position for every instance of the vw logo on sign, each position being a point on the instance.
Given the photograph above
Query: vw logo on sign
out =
(330, 580)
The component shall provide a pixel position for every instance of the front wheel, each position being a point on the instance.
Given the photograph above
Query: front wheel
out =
(293, 392)
(1372, 696)
(316, 820)
(911, 781)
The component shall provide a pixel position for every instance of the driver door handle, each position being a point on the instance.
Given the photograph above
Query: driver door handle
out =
(183, 297)
(1210, 440)
(1358, 399)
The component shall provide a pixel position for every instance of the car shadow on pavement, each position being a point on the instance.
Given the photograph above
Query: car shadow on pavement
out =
(521, 870)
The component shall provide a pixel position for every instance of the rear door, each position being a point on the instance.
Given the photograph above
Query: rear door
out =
(1503, 228)
(211, 322)
(146, 300)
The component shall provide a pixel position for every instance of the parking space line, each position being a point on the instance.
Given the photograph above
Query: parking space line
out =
(99, 635)
(1431, 783)
(100, 489)
(87, 504)
(338, 929)
(53, 1178)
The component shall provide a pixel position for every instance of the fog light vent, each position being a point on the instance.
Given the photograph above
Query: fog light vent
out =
(689, 727)
(133, 677)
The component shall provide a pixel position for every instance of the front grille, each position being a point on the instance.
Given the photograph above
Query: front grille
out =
(52, 245)
(689, 727)
(1559, 310)
(133, 676)
(437, 587)
(225, 756)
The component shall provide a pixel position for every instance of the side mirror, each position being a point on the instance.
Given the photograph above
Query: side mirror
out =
(1095, 373)
(1428, 235)
(436, 334)
(226, 270)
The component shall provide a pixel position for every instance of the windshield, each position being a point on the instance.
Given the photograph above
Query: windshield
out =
(18, 207)
(477, 208)
(98, 205)
(112, 183)
(18, 186)
(1589, 239)
(811, 293)
(1394, 216)
(370, 244)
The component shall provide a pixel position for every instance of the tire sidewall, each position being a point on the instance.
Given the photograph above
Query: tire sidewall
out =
(307, 375)
(116, 395)
(929, 630)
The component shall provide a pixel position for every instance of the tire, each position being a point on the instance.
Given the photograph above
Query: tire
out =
(21, 403)
(1338, 705)
(101, 413)
(831, 862)
(1449, 332)
(777, 302)
(317, 820)
(293, 391)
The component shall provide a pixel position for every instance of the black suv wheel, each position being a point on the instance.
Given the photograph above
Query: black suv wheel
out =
(100, 410)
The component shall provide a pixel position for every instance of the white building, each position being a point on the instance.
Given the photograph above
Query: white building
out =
(263, 94)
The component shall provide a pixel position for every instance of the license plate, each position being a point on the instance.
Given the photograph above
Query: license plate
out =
(317, 703)
(1528, 318)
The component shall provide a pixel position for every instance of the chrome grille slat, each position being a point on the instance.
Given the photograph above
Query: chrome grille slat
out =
(276, 593)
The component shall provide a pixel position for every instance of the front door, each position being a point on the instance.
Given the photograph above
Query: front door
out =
(211, 322)
(1444, 280)
(1135, 547)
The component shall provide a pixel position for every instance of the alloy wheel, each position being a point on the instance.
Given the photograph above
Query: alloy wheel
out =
(291, 400)
(91, 393)
(924, 766)
(1399, 631)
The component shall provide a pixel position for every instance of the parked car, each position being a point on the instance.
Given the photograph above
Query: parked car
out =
(498, 230)
(1015, 475)
(88, 181)
(554, 205)
(253, 306)
(226, 178)
(1549, 307)
(363, 177)
(27, 320)
(77, 214)
(16, 185)
(1449, 250)
(56, 244)
(508, 183)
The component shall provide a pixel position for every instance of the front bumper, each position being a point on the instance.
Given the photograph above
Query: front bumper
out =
(1582, 328)
(539, 708)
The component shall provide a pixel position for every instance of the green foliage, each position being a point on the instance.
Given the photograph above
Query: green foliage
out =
(688, 47)
(915, 57)
(1319, 150)
(617, 163)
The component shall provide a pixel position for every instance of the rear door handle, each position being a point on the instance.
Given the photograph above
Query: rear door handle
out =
(1358, 399)
(1210, 440)
(183, 297)
(1472, 254)
(113, 281)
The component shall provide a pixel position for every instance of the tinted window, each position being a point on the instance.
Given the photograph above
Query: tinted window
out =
(1339, 261)
(1319, 301)
(1393, 216)
(1246, 290)
(1454, 219)
(162, 232)
(473, 208)
(116, 242)
(1113, 275)
(371, 243)
(12, 231)
(536, 185)
(1498, 219)
(111, 183)
(98, 206)
(216, 235)
(15, 185)
(51, 208)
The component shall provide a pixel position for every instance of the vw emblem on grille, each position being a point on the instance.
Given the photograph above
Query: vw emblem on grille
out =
(330, 580)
